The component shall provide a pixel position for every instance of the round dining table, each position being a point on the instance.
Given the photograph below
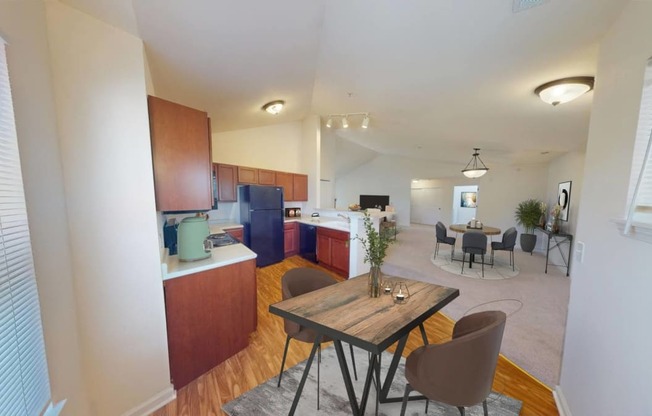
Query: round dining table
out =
(462, 228)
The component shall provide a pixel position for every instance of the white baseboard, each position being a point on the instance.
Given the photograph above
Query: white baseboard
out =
(154, 403)
(560, 400)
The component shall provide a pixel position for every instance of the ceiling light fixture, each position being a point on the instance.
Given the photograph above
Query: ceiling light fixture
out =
(344, 120)
(365, 122)
(472, 169)
(564, 90)
(274, 107)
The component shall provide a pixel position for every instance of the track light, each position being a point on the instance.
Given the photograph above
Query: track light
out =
(344, 120)
(365, 121)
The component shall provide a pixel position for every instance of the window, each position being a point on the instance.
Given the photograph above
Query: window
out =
(640, 188)
(24, 380)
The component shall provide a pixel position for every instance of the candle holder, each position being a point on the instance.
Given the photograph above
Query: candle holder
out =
(387, 287)
(400, 293)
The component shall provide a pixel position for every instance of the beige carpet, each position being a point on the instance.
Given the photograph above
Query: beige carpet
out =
(535, 302)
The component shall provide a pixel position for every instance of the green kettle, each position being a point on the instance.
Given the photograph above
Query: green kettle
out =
(191, 239)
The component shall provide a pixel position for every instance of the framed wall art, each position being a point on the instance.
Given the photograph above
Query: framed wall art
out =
(563, 199)
(469, 200)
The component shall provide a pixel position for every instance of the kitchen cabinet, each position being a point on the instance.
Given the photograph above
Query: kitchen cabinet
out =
(266, 177)
(209, 316)
(247, 175)
(333, 250)
(291, 238)
(295, 186)
(236, 233)
(300, 185)
(226, 182)
(181, 157)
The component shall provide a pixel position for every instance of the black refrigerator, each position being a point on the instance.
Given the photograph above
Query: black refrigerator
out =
(261, 214)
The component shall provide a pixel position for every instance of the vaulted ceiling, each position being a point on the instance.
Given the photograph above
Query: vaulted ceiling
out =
(438, 77)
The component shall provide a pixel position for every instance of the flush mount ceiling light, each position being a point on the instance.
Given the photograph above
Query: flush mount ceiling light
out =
(473, 169)
(274, 107)
(344, 120)
(564, 90)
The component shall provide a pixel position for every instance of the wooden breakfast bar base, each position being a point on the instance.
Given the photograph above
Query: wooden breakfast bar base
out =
(344, 312)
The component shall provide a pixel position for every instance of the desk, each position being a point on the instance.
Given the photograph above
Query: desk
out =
(558, 240)
(345, 312)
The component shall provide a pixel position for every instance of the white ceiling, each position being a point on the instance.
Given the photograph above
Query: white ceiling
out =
(438, 77)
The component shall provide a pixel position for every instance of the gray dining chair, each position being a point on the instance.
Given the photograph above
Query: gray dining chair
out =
(474, 243)
(507, 244)
(443, 238)
(297, 282)
(459, 372)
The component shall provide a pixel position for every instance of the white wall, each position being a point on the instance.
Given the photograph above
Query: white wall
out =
(310, 160)
(607, 362)
(275, 147)
(100, 92)
(23, 25)
(500, 190)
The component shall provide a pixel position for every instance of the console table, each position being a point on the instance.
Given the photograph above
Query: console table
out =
(558, 239)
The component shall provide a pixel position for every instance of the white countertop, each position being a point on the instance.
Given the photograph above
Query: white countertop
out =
(339, 224)
(220, 256)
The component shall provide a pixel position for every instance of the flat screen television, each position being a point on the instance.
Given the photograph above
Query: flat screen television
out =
(374, 201)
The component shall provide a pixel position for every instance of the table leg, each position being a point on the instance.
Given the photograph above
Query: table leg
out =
(471, 260)
(547, 253)
(367, 384)
(423, 334)
(391, 372)
(347, 379)
(306, 371)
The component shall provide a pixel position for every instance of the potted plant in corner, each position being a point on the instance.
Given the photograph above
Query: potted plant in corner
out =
(528, 214)
(375, 247)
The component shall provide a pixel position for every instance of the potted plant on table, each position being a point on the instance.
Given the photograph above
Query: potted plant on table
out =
(528, 214)
(375, 245)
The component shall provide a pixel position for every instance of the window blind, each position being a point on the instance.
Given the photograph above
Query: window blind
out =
(640, 187)
(24, 379)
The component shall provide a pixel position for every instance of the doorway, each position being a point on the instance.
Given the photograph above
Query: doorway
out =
(465, 203)
(425, 203)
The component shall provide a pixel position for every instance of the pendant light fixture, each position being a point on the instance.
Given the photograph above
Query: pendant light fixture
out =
(274, 107)
(473, 169)
(564, 90)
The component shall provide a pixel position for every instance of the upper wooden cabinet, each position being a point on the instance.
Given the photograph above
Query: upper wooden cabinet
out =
(285, 180)
(266, 177)
(227, 180)
(247, 175)
(300, 183)
(181, 156)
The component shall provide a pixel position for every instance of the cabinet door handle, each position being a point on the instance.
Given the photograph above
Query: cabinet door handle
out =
(346, 244)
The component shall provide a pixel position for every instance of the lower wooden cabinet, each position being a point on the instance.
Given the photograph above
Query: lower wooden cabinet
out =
(291, 231)
(236, 233)
(209, 315)
(333, 250)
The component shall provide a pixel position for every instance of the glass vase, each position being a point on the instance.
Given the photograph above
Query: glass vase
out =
(374, 281)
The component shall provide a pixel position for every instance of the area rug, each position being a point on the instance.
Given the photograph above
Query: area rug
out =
(269, 400)
(500, 270)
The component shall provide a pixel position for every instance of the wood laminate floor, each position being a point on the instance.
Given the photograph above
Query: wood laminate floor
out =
(262, 359)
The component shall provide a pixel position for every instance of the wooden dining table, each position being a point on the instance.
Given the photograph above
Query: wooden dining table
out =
(345, 312)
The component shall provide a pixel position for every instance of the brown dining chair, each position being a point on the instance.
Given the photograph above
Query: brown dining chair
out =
(474, 243)
(297, 282)
(459, 372)
(507, 244)
(443, 238)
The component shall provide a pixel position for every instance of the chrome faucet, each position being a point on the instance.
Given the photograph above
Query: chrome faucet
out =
(346, 217)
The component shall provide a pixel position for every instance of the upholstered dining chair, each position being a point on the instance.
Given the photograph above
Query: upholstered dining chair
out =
(507, 244)
(297, 282)
(442, 237)
(474, 243)
(459, 372)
